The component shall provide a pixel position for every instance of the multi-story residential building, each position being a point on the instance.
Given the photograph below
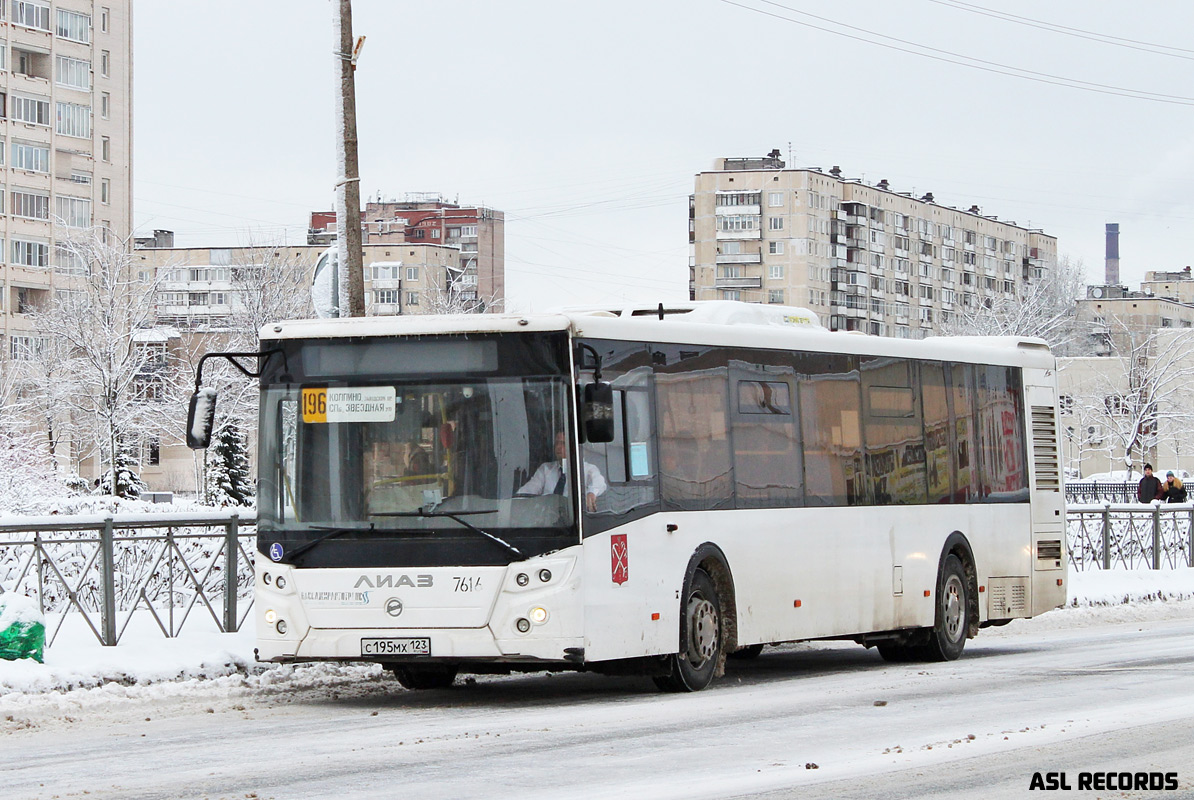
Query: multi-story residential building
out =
(1121, 321)
(427, 218)
(863, 257)
(65, 143)
(200, 287)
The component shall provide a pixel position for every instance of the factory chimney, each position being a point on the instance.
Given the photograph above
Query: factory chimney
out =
(1112, 278)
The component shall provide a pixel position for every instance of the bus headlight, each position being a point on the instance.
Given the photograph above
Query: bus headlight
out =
(280, 582)
(522, 579)
(522, 624)
(281, 627)
(271, 616)
(538, 615)
(545, 575)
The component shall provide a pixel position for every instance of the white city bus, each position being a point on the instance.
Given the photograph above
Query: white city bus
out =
(747, 481)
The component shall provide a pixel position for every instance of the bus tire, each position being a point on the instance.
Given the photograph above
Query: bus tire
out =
(701, 641)
(429, 676)
(952, 617)
(747, 653)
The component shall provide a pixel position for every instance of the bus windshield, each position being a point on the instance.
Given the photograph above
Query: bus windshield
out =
(405, 472)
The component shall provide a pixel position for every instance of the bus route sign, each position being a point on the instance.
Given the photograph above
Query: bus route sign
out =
(349, 404)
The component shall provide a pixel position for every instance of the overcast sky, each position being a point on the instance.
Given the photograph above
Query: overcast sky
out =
(586, 122)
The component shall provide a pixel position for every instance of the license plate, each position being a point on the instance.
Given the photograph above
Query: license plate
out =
(411, 646)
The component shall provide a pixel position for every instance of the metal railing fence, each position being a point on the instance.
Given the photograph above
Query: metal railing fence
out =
(105, 568)
(1100, 492)
(1131, 536)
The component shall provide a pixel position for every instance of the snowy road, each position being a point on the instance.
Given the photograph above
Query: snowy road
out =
(1074, 691)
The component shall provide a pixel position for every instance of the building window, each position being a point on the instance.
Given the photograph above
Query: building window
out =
(104, 14)
(775, 271)
(731, 294)
(31, 15)
(734, 223)
(1065, 404)
(105, 105)
(105, 61)
(31, 156)
(775, 296)
(468, 230)
(435, 233)
(775, 248)
(105, 191)
(75, 212)
(775, 223)
(412, 298)
(74, 120)
(385, 297)
(775, 199)
(106, 149)
(74, 73)
(24, 348)
(33, 110)
(74, 26)
(154, 456)
(412, 273)
(30, 204)
(30, 253)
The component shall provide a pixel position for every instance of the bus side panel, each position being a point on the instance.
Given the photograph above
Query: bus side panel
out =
(798, 573)
(632, 574)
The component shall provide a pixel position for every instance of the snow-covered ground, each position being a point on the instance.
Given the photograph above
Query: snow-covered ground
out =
(1101, 685)
(77, 663)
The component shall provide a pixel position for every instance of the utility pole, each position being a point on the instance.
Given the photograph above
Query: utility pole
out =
(348, 184)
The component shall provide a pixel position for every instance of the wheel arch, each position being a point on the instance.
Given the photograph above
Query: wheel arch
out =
(956, 544)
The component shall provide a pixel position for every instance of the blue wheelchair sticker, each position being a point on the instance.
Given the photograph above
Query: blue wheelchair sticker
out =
(275, 551)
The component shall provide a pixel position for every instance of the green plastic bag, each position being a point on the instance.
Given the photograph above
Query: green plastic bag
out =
(22, 629)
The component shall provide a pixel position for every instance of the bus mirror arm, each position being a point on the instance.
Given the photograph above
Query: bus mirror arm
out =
(201, 414)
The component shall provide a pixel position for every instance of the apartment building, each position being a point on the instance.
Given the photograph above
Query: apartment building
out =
(1121, 321)
(65, 144)
(428, 218)
(200, 287)
(863, 257)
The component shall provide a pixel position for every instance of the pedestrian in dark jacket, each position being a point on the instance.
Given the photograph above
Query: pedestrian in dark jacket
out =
(1150, 487)
(1174, 491)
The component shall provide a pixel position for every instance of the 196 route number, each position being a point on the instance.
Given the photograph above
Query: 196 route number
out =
(409, 646)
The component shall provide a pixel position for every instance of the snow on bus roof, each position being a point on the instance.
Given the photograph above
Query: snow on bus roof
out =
(709, 322)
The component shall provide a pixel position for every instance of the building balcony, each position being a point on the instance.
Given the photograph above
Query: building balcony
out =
(738, 211)
(724, 235)
(740, 258)
(738, 283)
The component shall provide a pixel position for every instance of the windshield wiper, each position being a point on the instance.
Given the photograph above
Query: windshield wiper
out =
(456, 517)
(332, 533)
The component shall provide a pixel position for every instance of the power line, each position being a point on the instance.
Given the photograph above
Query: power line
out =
(968, 61)
(1105, 38)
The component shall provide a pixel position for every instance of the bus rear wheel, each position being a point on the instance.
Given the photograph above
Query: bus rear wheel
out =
(693, 668)
(952, 619)
(430, 676)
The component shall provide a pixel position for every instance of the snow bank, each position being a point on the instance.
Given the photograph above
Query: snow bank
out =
(1118, 587)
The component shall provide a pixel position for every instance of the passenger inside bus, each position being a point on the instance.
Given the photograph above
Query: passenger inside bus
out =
(552, 477)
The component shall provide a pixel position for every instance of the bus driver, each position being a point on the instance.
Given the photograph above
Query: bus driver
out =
(552, 477)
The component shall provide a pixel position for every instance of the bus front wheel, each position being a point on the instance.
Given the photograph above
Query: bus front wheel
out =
(701, 643)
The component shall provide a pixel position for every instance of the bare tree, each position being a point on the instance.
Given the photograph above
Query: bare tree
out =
(1147, 378)
(107, 372)
(1046, 308)
(453, 294)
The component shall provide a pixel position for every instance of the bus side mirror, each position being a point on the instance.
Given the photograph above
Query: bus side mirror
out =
(597, 412)
(200, 418)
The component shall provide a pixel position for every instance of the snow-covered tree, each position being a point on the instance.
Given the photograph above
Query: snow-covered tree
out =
(109, 378)
(452, 295)
(1148, 379)
(229, 477)
(1046, 307)
(123, 480)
